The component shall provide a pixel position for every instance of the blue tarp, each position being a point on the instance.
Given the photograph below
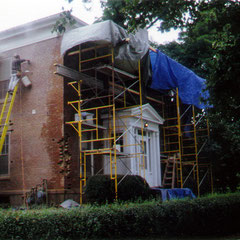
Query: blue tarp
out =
(175, 193)
(168, 74)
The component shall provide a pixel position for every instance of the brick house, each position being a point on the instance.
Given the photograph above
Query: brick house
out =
(37, 116)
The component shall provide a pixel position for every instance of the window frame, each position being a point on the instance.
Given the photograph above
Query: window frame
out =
(5, 75)
(149, 147)
(6, 151)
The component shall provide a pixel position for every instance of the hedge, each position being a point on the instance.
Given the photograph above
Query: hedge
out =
(217, 215)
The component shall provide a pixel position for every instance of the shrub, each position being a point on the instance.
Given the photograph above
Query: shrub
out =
(133, 187)
(209, 216)
(4, 205)
(101, 189)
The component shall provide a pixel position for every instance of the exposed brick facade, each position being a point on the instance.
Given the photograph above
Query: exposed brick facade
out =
(38, 123)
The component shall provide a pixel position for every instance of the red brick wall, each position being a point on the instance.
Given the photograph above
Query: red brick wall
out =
(34, 148)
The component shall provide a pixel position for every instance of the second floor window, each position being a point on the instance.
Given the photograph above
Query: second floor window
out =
(5, 74)
(3, 88)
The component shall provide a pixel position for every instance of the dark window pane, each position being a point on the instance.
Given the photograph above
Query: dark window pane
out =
(4, 157)
(3, 88)
(4, 164)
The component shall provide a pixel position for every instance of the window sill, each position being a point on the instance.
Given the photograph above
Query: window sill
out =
(4, 177)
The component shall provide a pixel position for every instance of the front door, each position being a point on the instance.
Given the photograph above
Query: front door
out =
(147, 157)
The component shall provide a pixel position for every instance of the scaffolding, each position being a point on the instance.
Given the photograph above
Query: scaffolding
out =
(103, 92)
(185, 134)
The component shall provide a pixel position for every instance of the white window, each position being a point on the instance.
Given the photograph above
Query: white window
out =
(5, 74)
(119, 142)
(146, 139)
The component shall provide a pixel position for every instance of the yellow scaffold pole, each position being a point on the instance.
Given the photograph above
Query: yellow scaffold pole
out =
(179, 137)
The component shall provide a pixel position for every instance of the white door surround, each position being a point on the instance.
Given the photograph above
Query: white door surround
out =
(132, 138)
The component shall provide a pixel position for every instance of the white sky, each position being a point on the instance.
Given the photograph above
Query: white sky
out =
(17, 12)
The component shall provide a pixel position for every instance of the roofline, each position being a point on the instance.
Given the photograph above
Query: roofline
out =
(14, 31)
(39, 30)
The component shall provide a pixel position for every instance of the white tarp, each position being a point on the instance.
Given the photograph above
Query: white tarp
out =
(69, 204)
(109, 32)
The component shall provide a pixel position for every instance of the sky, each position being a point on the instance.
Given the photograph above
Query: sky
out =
(17, 12)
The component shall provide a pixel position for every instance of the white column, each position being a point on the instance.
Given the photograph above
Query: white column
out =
(158, 151)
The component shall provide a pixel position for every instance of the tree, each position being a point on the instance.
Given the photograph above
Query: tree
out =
(144, 13)
(64, 20)
(210, 47)
(224, 84)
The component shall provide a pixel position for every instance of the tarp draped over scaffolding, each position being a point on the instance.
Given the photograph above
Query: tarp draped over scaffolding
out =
(109, 32)
(168, 74)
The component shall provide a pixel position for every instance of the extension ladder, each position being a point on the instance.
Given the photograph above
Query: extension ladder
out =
(5, 115)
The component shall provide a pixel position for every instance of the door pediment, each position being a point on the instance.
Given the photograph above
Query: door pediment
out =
(149, 113)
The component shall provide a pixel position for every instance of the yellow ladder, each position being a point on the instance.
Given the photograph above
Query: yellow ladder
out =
(5, 115)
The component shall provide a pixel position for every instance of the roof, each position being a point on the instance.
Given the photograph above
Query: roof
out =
(32, 32)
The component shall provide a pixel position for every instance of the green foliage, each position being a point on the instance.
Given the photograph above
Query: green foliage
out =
(63, 22)
(115, 10)
(143, 13)
(224, 86)
(133, 187)
(101, 189)
(195, 47)
(215, 215)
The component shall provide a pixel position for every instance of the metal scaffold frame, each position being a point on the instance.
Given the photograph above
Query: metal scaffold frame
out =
(184, 141)
(91, 100)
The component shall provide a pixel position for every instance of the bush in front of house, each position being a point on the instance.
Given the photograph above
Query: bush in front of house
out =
(208, 216)
(101, 189)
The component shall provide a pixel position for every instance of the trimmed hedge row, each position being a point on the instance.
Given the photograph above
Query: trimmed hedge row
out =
(217, 215)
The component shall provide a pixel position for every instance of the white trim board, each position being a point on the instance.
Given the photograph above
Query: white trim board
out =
(31, 33)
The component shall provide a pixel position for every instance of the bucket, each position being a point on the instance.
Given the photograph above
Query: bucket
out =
(26, 82)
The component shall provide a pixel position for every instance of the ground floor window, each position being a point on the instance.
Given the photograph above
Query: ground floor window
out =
(4, 158)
